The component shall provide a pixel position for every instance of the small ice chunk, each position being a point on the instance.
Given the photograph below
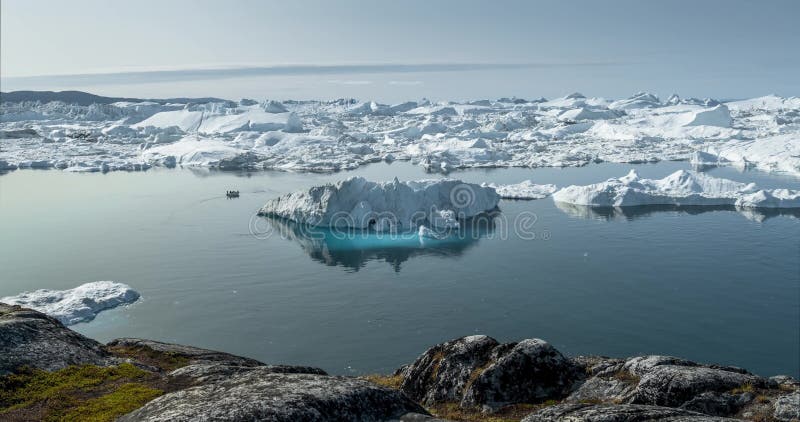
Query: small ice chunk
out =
(80, 304)
(522, 190)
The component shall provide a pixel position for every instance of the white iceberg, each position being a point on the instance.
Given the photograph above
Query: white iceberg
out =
(584, 113)
(80, 304)
(682, 188)
(719, 116)
(388, 206)
(522, 190)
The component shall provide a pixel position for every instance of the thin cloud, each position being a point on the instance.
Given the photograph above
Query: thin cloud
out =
(174, 75)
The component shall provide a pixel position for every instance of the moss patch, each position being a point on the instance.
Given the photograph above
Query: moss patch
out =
(125, 399)
(744, 388)
(88, 392)
(475, 374)
(391, 381)
(165, 361)
(626, 376)
(437, 362)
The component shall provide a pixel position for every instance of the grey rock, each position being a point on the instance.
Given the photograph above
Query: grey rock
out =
(617, 413)
(418, 417)
(603, 389)
(670, 385)
(193, 354)
(784, 381)
(204, 373)
(33, 339)
(640, 365)
(443, 371)
(787, 407)
(526, 372)
(598, 365)
(718, 404)
(259, 394)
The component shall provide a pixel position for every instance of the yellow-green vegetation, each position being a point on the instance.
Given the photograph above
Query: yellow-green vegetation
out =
(476, 373)
(125, 399)
(163, 360)
(626, 376)
(762, 399)
(437, 362)
(86, 393)
(744, 388)
(391, 381)
(513, 413)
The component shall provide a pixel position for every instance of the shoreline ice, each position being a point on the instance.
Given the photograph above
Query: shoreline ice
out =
(80, 304)
(761, 133)
(681, 188)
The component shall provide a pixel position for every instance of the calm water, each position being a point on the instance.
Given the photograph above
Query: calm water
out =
(709, 285)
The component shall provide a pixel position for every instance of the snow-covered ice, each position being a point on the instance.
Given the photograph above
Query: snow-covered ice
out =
(388, 206)
(523, 190)
(574, 130)
(682, 188)
(80, 304)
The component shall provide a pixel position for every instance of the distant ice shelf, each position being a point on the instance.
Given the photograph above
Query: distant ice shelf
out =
(80, 304)
(443, 136)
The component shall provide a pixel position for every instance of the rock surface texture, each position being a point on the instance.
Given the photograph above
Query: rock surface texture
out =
(472, 378)
(260, 394)
(33, 339)
(617, 413)
(478, 371)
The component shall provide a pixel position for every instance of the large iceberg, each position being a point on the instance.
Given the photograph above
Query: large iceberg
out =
(388, 206)
(80, 304)
(682, 188)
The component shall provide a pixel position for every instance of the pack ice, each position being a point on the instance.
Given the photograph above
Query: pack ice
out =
(440, 136)
(388, 206)
(682, 188)
(522, 190)
(80, 304)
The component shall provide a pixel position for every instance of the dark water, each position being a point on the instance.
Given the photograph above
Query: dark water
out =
(713, 285)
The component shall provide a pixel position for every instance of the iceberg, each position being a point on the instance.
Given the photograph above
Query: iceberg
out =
(682, 188)
(80, 304)
(584, 113)
(523, 190)
(385, 207)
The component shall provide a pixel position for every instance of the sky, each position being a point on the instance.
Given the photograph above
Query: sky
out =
(713, 48)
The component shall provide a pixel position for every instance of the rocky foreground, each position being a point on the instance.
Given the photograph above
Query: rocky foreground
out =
(470, 378)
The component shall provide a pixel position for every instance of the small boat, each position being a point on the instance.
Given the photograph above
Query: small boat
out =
(232, 194)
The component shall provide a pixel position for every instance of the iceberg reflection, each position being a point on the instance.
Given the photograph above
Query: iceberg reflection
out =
(634, 212)
(353, 248)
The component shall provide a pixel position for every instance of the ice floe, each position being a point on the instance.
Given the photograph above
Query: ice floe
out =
(574, 130)
(385, 207)
(523, 190)
(682, 188)
(80, 304)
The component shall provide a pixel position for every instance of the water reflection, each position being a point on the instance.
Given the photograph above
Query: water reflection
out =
(352, 249)
(632, 213)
